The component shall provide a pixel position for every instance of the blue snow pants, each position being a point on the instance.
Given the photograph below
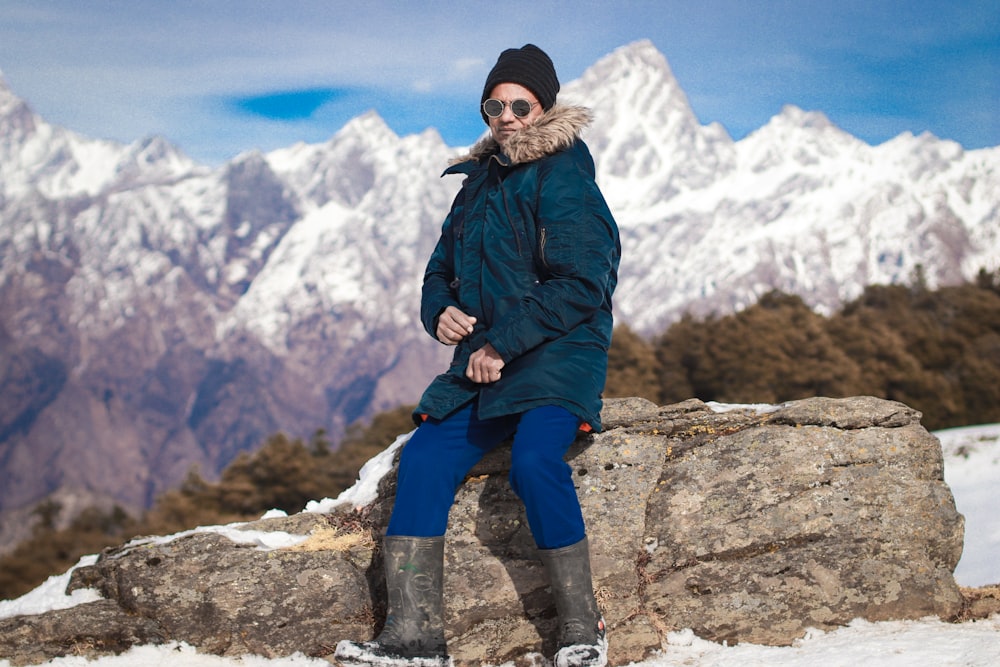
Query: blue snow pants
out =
(441, 452)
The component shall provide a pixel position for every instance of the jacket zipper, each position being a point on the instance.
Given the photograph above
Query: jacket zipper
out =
(541, 247)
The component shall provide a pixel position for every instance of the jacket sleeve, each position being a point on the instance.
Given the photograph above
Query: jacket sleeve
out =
(437, 293)
(578, 251)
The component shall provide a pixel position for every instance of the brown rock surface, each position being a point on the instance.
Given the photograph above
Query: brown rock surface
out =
(743, 526)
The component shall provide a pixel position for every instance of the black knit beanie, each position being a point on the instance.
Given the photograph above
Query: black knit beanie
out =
(527, 66)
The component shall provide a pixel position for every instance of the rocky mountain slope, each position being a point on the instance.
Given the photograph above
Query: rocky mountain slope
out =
(157, 314)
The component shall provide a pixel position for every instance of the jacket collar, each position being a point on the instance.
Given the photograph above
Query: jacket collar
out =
(554, 131)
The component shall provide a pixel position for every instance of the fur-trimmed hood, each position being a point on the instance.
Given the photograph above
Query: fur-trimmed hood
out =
(554, 131)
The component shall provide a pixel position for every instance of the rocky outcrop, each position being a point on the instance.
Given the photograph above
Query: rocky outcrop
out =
(744, 525)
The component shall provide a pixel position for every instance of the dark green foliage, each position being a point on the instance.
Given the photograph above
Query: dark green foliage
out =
(938, 351)
(935, 350)
(776, 350)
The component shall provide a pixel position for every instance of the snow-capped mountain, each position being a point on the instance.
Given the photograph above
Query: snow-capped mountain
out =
(709, 224)
(156, 313)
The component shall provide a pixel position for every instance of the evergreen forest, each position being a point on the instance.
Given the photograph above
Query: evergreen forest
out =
(937, 350)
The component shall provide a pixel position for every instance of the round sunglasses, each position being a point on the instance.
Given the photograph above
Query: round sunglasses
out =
(520, 108)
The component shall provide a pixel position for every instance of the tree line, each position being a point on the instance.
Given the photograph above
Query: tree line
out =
(938, 351)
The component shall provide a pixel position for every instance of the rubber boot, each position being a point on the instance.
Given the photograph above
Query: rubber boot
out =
(414, 624)
(582, 636)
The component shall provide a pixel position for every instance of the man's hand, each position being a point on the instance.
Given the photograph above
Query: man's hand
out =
(454, 325)
(484, 365)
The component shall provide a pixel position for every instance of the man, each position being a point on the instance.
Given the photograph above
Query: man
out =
(521, 283)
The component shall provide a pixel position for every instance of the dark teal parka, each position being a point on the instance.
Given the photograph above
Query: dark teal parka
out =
(531, 250)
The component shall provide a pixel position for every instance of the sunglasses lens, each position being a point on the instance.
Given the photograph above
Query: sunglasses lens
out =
(521, 108)
(493, 108)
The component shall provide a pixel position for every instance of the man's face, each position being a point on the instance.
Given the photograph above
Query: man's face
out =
(507, 123)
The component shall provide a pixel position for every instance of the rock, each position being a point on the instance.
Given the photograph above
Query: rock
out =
(980, 602)
(742, 525)
(91, 630)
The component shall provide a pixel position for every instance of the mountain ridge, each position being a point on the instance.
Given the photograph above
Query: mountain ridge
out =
(157, 314)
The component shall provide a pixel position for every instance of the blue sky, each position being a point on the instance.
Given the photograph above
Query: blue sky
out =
(219, 77)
